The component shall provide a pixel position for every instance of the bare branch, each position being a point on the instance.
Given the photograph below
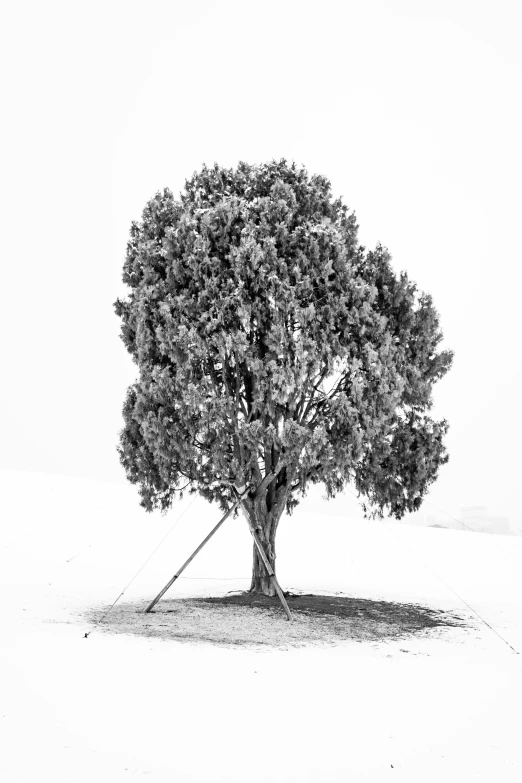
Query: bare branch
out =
(315, 387)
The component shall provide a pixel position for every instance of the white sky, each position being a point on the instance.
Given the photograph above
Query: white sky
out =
(411, 109)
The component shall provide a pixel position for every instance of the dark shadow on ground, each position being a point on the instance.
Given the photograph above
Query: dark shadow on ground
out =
(243, 619)
(407, 617)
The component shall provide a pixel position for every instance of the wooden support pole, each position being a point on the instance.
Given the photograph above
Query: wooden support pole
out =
(193, 555)
(268, 567)
(271, 574)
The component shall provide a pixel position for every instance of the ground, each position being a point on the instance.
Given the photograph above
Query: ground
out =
(247, 620)
(413, 672)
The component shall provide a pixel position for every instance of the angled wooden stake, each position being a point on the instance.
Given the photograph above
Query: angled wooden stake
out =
(268, 567)
(193, 555)
(271, 574)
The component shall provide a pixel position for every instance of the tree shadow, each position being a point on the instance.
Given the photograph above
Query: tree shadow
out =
(244, 619)
(409, 617)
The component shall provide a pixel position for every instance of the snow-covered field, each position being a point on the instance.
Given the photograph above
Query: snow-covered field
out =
(117, 707)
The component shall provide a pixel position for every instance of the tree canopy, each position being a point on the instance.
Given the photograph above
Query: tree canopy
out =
(274, 351)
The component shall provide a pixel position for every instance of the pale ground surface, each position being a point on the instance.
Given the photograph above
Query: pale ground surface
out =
(120, 706)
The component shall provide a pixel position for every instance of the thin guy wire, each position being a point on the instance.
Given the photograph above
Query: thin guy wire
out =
(78, 553)
(447, 585)
(95, 625)
(218, 578)
(453, 591)
(450, 516)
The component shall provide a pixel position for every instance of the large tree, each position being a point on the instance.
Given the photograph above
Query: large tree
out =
(273, 352)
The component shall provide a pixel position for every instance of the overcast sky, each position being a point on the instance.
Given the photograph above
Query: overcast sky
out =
(413, 111)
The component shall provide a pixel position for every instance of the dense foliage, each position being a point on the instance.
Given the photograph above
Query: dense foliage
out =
(274, 351)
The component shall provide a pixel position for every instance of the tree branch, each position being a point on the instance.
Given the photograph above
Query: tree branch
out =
(302, 417)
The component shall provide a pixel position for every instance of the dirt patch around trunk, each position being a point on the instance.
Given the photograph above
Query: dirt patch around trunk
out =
(243, 619)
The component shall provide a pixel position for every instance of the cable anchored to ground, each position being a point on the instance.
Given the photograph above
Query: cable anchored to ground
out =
(78, 553)
(451, 516)
(217, 578)
(97, 623)
(471, 608)
(452, 589)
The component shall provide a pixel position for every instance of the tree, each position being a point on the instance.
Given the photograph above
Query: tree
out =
(274, 352)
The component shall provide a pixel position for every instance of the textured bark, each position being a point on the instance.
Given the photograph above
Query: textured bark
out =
(261, 581)
(263, 514)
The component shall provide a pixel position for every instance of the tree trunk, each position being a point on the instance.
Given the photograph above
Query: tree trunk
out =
(261, 582)
(264, 522)
(263, 510)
